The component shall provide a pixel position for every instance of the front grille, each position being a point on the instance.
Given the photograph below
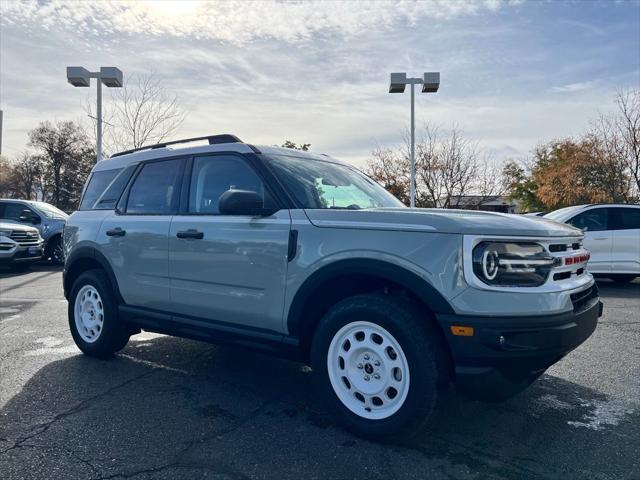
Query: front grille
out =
(582, 299)
(25, 238)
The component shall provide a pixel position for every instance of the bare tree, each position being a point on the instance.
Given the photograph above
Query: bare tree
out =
(28, 177)
(67, 157)
(138, 114)
(614, 144)
(628, 127)
(446, 166)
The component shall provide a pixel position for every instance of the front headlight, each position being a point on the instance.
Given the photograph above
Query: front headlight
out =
(5, 233)
(512, 264)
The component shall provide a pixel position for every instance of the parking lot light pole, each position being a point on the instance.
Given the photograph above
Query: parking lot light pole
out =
(111, 77)
(430, 83)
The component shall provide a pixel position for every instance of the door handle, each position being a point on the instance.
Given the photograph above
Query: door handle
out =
(191, 233)
(116, 232)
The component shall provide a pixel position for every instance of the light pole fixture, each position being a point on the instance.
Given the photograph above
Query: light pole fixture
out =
(430, 82)
(111, 77)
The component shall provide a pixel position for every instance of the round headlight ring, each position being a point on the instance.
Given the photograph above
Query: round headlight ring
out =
(490, 264)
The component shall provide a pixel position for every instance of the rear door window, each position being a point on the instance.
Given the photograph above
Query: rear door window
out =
(155, 191)
(624, 218)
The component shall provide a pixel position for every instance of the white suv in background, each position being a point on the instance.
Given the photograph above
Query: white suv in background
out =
(612, 235)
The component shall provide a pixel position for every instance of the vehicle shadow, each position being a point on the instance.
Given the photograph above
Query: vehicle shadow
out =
(9, 272)
(173, 408)
(619, 290)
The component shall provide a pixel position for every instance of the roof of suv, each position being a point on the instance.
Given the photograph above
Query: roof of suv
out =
(123, 159)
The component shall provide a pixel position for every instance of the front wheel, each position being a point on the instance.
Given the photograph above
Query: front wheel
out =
(93, 316)
(55, 251)
(379, 361)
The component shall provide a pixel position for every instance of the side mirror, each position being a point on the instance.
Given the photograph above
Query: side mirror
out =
(242, 202)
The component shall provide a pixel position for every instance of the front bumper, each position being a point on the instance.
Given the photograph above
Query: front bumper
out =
(22, 254)
(505, 354)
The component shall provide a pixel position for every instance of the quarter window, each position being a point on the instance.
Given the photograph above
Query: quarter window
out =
(212, 176)
(155, 189)
(109, 198)
(591, 221)
(98, 182)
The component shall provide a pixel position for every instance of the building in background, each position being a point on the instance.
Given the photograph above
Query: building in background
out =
(492, 203)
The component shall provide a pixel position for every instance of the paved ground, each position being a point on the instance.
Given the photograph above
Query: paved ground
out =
(170, 408)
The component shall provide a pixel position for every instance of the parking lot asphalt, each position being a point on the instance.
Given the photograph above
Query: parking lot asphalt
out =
(169, 408)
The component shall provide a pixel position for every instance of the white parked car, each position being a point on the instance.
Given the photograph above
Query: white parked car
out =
(612, 235)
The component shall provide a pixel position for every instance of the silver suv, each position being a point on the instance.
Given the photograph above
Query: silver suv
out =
(298, 254)
(19, 245)
(48, 219)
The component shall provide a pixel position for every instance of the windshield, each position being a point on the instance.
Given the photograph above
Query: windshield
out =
(557, 214)
(324, 184)
(50, 211)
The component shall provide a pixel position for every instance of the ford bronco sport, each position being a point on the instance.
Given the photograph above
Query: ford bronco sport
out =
(300, 255)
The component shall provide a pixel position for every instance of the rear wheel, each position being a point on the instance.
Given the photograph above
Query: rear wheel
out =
(379, 362)
(93, 316)
(623, 277)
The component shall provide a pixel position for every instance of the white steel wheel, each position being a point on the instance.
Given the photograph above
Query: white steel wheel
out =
(89, 314)
(368, 370)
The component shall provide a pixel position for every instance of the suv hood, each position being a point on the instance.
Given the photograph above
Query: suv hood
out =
(469, 222)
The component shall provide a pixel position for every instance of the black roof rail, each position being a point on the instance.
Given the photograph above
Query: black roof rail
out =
(212, 139)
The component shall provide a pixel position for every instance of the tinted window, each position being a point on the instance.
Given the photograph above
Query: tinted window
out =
(13, 211)
(624, 218)
(212, 176)
(109, 198)
(155, 188)
(98, 182)
(591, 221)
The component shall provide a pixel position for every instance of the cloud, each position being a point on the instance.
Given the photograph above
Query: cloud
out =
(290, 22)
(575, 87)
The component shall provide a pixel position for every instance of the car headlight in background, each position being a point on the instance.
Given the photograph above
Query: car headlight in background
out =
(512, 264)
(5, 233)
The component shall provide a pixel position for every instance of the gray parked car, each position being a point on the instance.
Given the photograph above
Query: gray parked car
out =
(298, 254)
(20, 245)
(48, 219)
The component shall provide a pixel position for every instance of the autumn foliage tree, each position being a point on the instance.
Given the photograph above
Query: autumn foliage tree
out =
(601, 165)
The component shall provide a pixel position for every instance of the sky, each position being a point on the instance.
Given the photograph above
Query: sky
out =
(513, 73)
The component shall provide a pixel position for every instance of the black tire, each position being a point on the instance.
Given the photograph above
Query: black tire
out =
(422, 344)
(115, 334)
(55, 252)
(623, 277)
